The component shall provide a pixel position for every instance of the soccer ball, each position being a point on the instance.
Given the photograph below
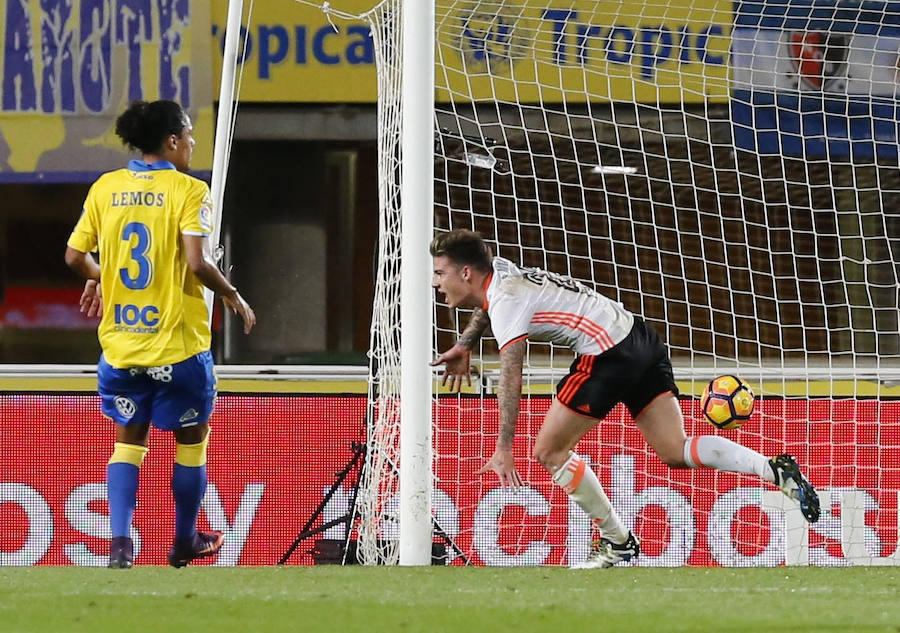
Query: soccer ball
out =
(727, 402)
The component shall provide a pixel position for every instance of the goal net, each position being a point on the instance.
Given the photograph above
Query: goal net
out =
(729, 172)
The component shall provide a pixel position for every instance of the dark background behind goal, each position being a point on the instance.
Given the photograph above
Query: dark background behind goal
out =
(730, 253)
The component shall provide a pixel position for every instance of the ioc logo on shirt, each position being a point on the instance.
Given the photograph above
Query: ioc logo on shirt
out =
(129, 314)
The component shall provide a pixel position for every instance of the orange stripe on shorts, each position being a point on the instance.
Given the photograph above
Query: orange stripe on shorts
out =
(577, 379)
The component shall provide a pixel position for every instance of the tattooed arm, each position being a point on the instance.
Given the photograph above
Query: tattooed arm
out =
(456, 359)
(478, 323)
(509, 395)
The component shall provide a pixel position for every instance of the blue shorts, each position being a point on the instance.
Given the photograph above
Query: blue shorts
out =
(169, 396)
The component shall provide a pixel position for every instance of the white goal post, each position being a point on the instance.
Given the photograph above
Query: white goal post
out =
(729, 172)
(416, 204)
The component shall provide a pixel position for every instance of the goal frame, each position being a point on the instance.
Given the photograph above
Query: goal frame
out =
(416, 295)
(417, 467)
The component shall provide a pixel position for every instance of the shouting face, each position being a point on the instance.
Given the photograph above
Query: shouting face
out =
(455, 282)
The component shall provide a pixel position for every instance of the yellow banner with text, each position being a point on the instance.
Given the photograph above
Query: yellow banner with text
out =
(551, 50)
(587, 50)
(295, 53)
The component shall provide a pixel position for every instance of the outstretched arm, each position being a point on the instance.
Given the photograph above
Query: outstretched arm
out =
(509, 394)
(456, 359)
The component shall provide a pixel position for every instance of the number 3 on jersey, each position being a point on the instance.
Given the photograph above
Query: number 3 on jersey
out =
(139, 255)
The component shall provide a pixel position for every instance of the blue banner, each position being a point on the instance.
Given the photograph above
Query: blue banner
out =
(809, 125)
(816, 78)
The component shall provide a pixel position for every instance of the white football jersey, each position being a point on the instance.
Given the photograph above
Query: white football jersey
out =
(544, 306)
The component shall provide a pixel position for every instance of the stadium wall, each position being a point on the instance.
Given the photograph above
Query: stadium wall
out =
(277, 445)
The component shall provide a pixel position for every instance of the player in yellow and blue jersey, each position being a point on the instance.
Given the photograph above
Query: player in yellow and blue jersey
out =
(150, 224)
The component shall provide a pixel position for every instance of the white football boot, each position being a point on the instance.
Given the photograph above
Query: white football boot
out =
(605, 553)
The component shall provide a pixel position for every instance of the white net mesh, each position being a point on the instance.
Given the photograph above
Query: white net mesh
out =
(728, 171)
(376, 503)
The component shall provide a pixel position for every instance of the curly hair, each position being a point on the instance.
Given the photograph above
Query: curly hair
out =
(144, 126)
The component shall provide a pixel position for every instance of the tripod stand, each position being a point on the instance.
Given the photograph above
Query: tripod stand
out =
(359, 453)
(357, 459)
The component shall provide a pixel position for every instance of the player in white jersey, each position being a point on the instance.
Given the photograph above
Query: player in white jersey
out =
(618, 358)
(544, 306)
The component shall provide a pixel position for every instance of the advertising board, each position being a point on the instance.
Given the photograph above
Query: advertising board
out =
(274, 457)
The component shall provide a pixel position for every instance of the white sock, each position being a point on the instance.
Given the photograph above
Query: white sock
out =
(581, 483)
(712, 451)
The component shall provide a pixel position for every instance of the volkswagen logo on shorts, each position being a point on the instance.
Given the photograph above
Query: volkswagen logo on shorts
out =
(125, 406)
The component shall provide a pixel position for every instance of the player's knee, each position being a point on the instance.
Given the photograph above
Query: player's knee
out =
(128, 454)
(549, 457)
(192, 434)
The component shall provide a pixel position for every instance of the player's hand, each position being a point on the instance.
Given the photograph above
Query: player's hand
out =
(237, 305)
(502, 463)
(91, 302)
(456, 367)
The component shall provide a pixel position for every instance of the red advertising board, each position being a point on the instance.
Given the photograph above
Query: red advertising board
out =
(272, 458)
(849, 448)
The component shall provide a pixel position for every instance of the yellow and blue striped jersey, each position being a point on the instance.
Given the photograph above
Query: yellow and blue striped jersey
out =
(153, 307)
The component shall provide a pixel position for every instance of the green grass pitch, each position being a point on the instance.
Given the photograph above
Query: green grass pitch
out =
(464, 600)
